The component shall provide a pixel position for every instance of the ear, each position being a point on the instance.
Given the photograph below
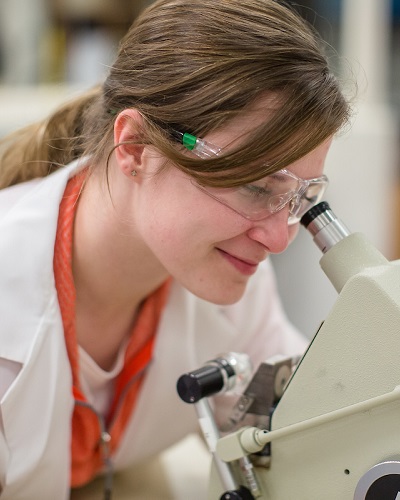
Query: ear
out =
(126, 132)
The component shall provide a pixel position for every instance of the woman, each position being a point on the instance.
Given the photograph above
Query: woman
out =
(146, 254)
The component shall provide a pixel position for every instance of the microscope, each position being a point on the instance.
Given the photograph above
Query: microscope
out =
(326, 426)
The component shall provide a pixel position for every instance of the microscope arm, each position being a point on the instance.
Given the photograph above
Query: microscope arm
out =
(334, 433)
(250, 440)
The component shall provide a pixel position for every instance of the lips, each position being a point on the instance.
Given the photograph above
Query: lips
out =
(244, 266)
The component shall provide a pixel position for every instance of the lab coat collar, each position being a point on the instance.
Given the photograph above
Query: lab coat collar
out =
(28, 232)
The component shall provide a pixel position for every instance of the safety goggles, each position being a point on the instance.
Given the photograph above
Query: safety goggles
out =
(260, 199)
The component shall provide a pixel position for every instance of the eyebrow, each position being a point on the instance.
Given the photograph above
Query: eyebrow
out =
(274, 176)
(277, 175)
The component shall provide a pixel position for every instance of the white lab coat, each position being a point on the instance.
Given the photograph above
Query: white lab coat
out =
(36, 400)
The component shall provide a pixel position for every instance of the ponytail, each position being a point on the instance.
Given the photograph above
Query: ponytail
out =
(45, 146)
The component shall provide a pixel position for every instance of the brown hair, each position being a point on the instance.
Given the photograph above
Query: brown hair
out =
(192, 65)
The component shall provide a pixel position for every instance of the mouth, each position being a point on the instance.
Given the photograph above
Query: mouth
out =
(245, 267)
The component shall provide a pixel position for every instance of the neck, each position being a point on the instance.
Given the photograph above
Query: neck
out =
(112, 265)
(114, 271)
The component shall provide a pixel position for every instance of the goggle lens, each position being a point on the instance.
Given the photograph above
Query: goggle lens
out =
(270, 195)
(262, 198)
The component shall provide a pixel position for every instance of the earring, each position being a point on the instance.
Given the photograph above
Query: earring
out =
(133, 173)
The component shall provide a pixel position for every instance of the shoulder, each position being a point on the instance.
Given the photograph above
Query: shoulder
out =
(13, 195)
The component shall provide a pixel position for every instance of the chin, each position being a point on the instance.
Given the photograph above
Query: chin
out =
(224, 297)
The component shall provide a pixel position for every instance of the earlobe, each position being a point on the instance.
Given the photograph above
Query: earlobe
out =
(129, 150)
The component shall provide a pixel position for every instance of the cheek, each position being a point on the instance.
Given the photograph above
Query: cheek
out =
(188, 230)
(169, 220)
(179, 216)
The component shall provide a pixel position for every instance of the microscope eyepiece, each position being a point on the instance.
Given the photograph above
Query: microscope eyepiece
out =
(324, 226)
(314, 212)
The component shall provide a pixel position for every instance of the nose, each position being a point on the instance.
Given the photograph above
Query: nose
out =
(273, 232)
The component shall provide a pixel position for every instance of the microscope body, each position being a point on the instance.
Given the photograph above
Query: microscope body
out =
(335, 432)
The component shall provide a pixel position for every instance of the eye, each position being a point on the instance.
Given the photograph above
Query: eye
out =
(312, 194)
(255, 190)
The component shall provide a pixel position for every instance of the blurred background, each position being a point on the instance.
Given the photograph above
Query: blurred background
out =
(52, 49)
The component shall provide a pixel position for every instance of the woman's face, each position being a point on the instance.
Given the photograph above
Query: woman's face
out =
(207, 247)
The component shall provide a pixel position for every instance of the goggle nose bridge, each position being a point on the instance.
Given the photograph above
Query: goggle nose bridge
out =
(292, 197)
